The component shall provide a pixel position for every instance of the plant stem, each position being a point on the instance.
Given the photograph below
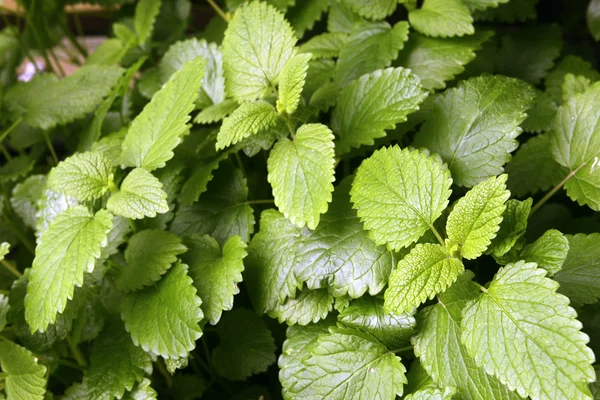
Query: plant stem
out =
(218, 10)
(162, 369)
(555, 189)
(132, 225)
(271, 201)
(5, 152)
(401, 349)
(50, 147)
(10, 129)
(291, 128)
(75, 352)
(238, 159)
(11, 268)
(437, 235)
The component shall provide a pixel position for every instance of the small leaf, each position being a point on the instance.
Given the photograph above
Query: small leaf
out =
(426, 271)
(442, 18)
(216, 112)
(372, 10)
(573, 85)
(247, 120)
(140, 196)
(291, 83)
(548, 252)
(25, 198)
(512, 227)
(301, 173)
(146, 12)
(325, 45)
(23, 377)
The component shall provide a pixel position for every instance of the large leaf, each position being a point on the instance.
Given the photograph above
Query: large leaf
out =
(550, 251)
(139, 196)
(65, 251)
(23, 377)
(523, 332)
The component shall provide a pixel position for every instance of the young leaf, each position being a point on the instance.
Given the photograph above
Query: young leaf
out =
(579, 276)
(215, 272)
(575, 142)
(426, 271)
(141, 391)
(372, 10)
(444, 357)
(84, 176)
(573, 65)
(474, 126)
(140, 196)
(526, 334)
(216, 112)
(301, 172)
(163, 318)
(349, 361)
(45, 102)
(291, 83)
(373, 103)
(257, 45)
(475, 219)
(23, 377)
(573, 85)
(246, 346)
(442, 18)
(548, 252)
(158, 129)
(387, 194)
(512, 227)
(65, 251)
(146, 12)
(325, 45)
(247, 120)
(149, 254)
(25, 198)
(308, 306)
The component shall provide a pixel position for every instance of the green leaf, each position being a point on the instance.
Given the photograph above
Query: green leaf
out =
(65, 251)
(593, 19)
(483, 4)
(509, 12)
(541, 114)
(257, 45)
(521, 310)
(198, 182)
(25, 197)
(579, 276)
(109, 52)
(438, 60)
(569, 64)
(426, 271)
(215, 272)
(158, 129)
(372, 9)
(146, 12)
(529, 52)
(432, 393)
(308, 306)
(512, 227)
(368, 315)
(16, 168)
(533, 168)
(341, 19)
(474, 126)
(246, 346)
(373, 103)
(291, 83)
(50, 205)
(141, 391)
(442, 18)
(325, 45)
(116, 364)
(444, 357)
(475, 218)
(301, 172)
(140, 196)
(84, 176)
(575, 142)
(149, 254)
(387, 194)
(548, 252)
(216, 112)
(370, 46)
(348, 361)
(163, 318)
(304, 14)
(45, 101)
(573, 85)
(4, 304)
(247, 120)
(23, 377)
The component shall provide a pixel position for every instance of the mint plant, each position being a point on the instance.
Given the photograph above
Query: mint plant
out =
(342, 199)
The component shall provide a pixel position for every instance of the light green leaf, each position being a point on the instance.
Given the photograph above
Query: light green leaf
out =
(593, 19)
(163, 318)
(110, 146)
(371, 46)
(140, 196)
(305, 13)
(540, 115)
(347, 361)
(368, 315)
(373, 103)
(216, 112)
(109, 52)
(257, 45)
(25, 198)
(520, 310)
(512, 227)
(215, 272)
(301, 172)
(474, 126)
(141, 391)
(45, 101)
(573, 65)
(444, 357)
(50, 205)
(24, 378)
(65, 251)
(483, 4)
(573, 85)
(84, 176)
(387, 194)
(432, 393)
(291, 83)
(378, 9)
(575, 142)
(442, 18)
(247, 120)
(149, 254)
(548, 252)
(146, 12)
(308, 306)
(246, 346)
(341, 19)
(325, 45)
(438, 60)
(579, 276)
(475, 219)
(4, 250)
(158, 129)
(426, 271)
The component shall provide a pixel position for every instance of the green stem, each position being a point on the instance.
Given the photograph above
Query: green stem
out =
(271, 201)
(73, 40)
(437, 235)
(132, 225)
(5, 152)
(402, 349)
(218, 10)
(290, 126)
(61, 71)
(37, 38)
(162, 369)
(238, 159)
(555, 189)
(50, 147)
(69, 364)
(10, 129)
(75, 352)
(11, 268)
